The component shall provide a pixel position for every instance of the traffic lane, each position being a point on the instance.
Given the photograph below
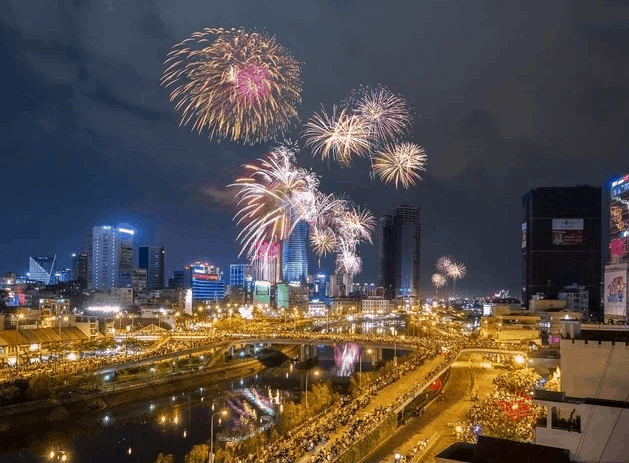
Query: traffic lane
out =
(456, 389)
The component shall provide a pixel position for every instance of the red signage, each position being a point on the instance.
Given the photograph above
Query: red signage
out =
(204, 276)
(617, 247)
(567, 237)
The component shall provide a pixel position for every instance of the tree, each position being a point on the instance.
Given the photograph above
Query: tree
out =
(41, 387)
(520, 380)
(198, 454)
(165, 458)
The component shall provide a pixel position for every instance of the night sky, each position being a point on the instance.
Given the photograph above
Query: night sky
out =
(509, 95)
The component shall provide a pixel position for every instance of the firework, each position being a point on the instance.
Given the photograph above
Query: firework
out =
(271, 200)
(323, 242)
(456, 270)
(355, 225)
(443, 264)
(387, 115)
(347, 261)
(438, 280)
(340, 136)
(237, 84)
(400, 163)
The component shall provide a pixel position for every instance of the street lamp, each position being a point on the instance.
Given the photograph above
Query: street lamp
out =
(222, 413)
(316, 373)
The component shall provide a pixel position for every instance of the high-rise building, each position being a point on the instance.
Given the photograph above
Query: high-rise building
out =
(177, 281)
(399, 240)
(79, 267)
(137, 279)
(561, 242)
(295, 254)
(615, 306)
(63, 275)
(266, 265)
(152, 259)
(204, 279)
(109, 250)
(238, 274)
(384, 269)
(619, 220)
(320, 287)
(42, 269)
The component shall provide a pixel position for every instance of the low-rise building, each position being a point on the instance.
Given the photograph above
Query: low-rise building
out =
(508, 325)
(577, 298)
(375, 306)
(345, 306)
(590, 417)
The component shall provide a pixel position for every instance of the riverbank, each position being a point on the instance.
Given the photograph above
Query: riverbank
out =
(14, 419)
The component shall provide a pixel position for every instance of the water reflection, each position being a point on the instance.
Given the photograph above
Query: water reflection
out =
(175, 422)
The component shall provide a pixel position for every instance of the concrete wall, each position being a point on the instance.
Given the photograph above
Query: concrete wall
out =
(585, 370)
(603, 437)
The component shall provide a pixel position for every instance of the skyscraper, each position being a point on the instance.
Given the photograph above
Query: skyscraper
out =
(407, 229)
(42, 269)
(619, 220)
(384, 244)
(561, 242)
(295, 254)
(266, 265)
(79, 267)
(109, 250)
(615, 303)
(398, 241)
(152, 259)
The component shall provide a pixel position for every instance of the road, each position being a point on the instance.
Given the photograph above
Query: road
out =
(457, 392)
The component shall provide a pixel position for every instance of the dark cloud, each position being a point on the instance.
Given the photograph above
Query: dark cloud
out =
(510, 96)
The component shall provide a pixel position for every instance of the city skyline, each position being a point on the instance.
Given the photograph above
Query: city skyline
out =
(527, 103)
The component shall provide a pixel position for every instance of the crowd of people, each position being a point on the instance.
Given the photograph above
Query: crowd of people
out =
(89, 361)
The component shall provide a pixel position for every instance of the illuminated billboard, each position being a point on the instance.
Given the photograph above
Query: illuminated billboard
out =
(567, 232)
(205, 276)
(615, 290)
(523, 235)
(281, 298)
(262, 292)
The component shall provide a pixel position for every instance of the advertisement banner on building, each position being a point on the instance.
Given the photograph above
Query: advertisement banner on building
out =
(282, 296)
(262, 292)
(205, 276)
(567, 237)
(523, 235)
(615, 290)
(567, 224)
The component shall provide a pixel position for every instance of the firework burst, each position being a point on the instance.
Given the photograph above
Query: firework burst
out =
(438, 280)
(273, 198)
(387, 115)
(456, 270)
(239, 85)
(340, 136)
(400, 163)
(444, 263)
(323, 242)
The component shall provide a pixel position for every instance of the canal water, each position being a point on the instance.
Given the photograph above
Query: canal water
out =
(136, 433)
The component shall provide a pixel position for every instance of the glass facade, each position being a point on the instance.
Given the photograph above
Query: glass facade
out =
(109, 250)
(295, 254)
(398, 247)
(238, 274)
(561, 242)
(152, 259)
(42, 269)
(619, 220)
(204, 279)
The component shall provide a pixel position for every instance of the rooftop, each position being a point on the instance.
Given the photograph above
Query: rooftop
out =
(551, 396)
(493, 450)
